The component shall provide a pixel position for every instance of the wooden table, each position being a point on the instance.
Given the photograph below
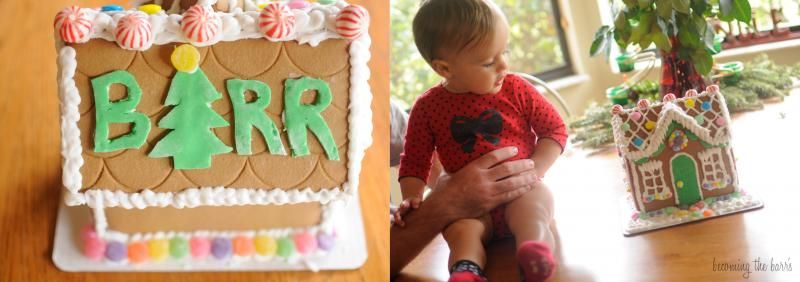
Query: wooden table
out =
(588, 186)
(30, 162)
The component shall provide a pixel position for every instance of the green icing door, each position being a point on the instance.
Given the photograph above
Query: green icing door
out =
(684, 177)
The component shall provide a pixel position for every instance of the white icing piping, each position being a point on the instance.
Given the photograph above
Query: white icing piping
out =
(70, 134)
(313, 25)
(206, 196)
(360, 117)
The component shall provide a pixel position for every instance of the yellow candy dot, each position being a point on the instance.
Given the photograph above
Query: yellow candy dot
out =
(262, 5)
(650, 125)
(150, 9)
(158, 249)
(679, 184)
(265, 245)
(185, 58)
(689, 103)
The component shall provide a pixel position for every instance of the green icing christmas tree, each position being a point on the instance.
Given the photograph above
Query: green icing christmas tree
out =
(191, 143)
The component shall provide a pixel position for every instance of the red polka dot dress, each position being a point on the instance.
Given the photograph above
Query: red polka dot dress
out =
(461, 127)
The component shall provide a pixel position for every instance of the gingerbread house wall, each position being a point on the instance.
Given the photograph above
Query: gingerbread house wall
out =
(693, 148)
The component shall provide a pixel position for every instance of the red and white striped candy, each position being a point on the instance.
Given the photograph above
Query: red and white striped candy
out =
(200, 24)
(691, 93)
(276, 21)
(616, 109)
(73, 25)
(134, 32)
(712, 88)
(351, 21)
(669, 97)
(643, 104)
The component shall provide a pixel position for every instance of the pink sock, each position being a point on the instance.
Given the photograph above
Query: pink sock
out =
(536, 261)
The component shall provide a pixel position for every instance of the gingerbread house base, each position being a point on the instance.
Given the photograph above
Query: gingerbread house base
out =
(350, 251)
(635, 222)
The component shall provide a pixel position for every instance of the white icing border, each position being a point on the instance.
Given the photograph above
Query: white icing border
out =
(359, 118)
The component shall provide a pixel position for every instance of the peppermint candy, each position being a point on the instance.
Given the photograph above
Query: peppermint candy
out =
(200, 24)
(276, 21)
(134, 32)
(73, 25)
(352, 21)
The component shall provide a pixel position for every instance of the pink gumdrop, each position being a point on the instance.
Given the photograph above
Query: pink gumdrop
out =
(616, 109)
(305, 243)
(720, 121)
(200, 247)
(94, 248)
(635, 116)
(88, 233)
(298, 4)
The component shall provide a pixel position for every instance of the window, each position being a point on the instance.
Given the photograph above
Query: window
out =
(655, 187)
(536, 44)
(762, 13)
(714, 176)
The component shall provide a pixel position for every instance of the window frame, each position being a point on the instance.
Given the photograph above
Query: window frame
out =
(568, 68)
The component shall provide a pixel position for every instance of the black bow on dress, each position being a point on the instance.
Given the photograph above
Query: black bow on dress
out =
(466, 130)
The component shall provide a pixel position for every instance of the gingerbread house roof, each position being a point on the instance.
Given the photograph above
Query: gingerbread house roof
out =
(639, 132)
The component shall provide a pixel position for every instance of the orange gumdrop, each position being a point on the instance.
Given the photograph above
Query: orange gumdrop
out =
(243, 246)
(137, 252)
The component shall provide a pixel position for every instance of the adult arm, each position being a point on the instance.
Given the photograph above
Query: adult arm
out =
(472, 191)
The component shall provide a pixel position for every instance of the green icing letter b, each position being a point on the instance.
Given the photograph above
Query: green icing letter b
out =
(122, 111)
(247, 115)
(301, 116)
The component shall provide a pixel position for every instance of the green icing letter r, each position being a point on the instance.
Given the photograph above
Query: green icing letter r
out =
(246, 115)
(300, 116)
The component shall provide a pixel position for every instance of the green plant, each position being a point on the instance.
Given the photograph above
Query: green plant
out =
(665, 22)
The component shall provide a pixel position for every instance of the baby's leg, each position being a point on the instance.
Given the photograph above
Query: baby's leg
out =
(465, 237)
(529, 218)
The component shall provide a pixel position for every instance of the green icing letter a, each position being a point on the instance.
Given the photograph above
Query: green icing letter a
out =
(107, 112)
(246, 115)
(300, 116)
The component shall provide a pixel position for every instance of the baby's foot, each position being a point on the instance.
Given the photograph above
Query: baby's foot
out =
(466, 271)
(536, 261)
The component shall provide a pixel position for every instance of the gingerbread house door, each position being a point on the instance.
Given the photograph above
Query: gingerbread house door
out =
(684, 179)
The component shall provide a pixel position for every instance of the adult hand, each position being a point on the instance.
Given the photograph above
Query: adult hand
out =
(483, 184)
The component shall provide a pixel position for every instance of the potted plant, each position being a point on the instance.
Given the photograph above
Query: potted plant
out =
(679, 29)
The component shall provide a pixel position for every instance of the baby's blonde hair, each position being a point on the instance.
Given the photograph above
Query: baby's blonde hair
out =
(452, 25)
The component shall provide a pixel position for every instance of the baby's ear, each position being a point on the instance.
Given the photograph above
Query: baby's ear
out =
(442, 68)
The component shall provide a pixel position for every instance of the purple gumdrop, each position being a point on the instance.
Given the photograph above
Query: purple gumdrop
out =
(221, 248)
(325, 241)
(116, 251)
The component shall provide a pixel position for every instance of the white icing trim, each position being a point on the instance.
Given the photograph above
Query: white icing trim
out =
(653, 171)
(360, 127)
(635, 185)
(313, 24)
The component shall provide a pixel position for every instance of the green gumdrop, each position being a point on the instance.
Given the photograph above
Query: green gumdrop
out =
(178, 247)
(301, 116)
(285, 247)
(699, 119)
(191, 143)
(247, 115)
(123, 111)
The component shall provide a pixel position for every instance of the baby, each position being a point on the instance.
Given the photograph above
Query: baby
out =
(477, 108)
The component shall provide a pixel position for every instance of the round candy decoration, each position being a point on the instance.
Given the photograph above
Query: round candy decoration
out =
(643, 104)
(150, 8)
(221, 248)
(111, 8)
(276, 21)
(134, 32)
(352, 21)
(691, 93)
(116, 251)
(73, 25)
(635, 116)
(669, 97)
(325, 241)
(712, 88)
(616, 109)
(200, 24)
(305, 242)
(298, 4)
(678, 140)
(200, 247)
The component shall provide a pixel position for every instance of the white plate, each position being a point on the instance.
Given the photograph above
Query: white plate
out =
(350, 251)
(631, 226)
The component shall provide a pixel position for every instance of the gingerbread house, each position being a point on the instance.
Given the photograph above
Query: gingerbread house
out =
(677, 152)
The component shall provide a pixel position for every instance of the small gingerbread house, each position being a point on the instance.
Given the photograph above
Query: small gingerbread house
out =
(677, 152)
